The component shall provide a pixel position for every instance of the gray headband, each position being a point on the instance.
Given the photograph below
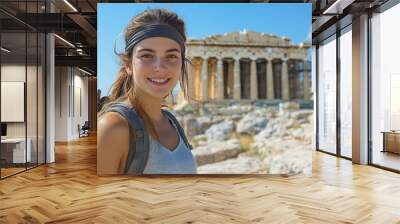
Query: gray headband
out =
(155, 30)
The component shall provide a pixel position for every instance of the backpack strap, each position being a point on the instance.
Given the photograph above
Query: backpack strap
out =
(180, 129)
(138, 153)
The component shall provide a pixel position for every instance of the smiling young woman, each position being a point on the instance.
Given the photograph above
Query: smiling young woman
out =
(136, 135)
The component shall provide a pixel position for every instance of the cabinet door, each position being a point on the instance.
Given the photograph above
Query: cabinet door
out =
(6, 154)
(392, 142)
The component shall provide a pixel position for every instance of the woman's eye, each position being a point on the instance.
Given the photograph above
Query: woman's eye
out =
(172, 56)
(146, 56)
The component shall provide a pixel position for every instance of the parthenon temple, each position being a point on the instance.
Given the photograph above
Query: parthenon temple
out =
(248, 65)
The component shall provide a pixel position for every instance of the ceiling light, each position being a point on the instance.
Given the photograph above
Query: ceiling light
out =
(337, 7)
(64, 40)
(5, 50)
(70, 5)
(86, 72)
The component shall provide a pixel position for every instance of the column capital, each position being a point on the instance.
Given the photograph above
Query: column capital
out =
(229, 60)
(205, 57)
(219, 58)
(196, 61)
(236, 58)
(269, 59)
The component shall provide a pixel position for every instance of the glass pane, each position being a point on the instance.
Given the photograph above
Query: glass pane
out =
(41, 98)
(22, 80)
(327, 96)
(346, 94)
(13, 87)
(31, 97)
(385, 89)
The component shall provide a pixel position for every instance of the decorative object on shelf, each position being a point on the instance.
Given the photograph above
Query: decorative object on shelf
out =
(391, 141)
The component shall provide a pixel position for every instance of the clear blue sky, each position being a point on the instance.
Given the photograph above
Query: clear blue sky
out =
(292, 20)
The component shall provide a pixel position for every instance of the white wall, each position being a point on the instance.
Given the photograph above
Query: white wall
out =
(61, 103)
(71, 87)
(16, 73)
(33, 126)
(12, 101)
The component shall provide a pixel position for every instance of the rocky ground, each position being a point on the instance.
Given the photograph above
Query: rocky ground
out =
(242, 138)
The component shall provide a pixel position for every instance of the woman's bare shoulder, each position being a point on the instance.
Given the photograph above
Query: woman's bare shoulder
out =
(112, 143)
(112, 120)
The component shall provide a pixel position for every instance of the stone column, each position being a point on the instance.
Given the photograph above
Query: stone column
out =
(220, 79)
(211, 80)
(204, 79)
(253, 80)
(285, 80)
(236, 79)
(306, 87)
(270, 81)
(229, 81)
(191, 74)
(198, 81)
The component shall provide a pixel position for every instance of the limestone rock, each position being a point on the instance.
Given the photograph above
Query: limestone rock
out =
(234, 109)
(282, 139)
(190, 126)
(301, 114)
(304, 133)
(251, 124)
(220, 131)
(198, 140)
(264, 134)
(216, 151)
(288, 106)
(243, 164)
(205, 122)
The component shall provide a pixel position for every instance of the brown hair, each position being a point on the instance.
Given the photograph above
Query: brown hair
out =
(123, 87)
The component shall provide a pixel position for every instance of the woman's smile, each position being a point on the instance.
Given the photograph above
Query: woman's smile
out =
(159, 82)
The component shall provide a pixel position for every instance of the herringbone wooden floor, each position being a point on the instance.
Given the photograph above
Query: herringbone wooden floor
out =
(70, 192)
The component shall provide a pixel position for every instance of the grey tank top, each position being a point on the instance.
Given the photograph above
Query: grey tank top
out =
(164, 161)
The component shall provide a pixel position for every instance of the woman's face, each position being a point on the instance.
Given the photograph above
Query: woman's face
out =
(156, 66)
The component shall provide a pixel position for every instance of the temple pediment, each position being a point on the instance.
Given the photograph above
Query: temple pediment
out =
(245, 37)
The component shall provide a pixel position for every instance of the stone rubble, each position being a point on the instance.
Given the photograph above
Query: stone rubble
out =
(280, 137)
(216, 151)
